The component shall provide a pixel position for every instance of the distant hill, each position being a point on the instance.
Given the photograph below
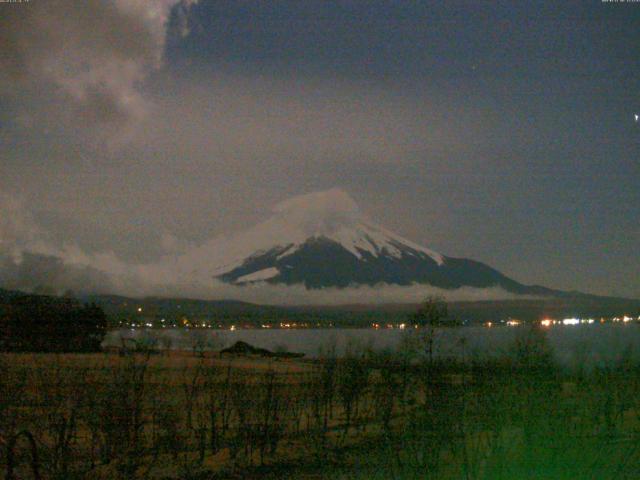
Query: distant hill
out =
(115, 303)
(228, 312)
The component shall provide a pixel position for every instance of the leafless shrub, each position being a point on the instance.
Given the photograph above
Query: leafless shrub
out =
(120, 410)
(352, 380)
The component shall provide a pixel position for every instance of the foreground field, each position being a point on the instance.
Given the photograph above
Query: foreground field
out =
(366, 415)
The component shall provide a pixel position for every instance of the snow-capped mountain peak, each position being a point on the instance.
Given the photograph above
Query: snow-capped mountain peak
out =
(334, 215)
(331, 215)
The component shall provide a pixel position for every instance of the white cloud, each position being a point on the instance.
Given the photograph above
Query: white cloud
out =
(88, 57)
(268, 294)
(17, 228)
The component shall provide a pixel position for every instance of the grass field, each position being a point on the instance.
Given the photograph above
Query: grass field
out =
(367, 415)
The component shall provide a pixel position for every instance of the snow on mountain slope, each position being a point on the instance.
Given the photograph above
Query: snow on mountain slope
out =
(330, 214)
(259, 275)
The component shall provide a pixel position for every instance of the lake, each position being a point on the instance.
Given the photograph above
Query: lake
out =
(589, 345)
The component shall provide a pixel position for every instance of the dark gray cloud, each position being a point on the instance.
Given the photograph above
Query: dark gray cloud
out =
(49, 274)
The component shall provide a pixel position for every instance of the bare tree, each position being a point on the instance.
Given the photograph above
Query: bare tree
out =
(432, 313)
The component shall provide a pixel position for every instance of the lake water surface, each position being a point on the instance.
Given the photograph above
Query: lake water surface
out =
(588, 345)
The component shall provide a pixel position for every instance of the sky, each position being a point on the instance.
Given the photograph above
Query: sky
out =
(500, 131)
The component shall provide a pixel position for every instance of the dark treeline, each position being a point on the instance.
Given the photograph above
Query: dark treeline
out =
(390, 415)
(38, 323)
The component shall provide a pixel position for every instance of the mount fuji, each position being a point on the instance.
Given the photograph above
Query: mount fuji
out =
(323, 240)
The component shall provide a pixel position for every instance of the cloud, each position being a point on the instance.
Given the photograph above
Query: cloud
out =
(320, 211)
(18, 229)
(31, 261)
(273, 123)
(87, 58)
(268, 294)
(172, 245)
(51, 275)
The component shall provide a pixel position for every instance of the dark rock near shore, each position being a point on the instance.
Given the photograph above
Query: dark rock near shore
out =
(243, 348)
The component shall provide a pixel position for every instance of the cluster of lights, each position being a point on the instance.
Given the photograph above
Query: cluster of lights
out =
(391, 326)
(545, 322)
(548, 322)
(582, 321)
(571, 321)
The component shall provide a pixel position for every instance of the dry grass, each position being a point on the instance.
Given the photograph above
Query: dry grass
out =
(185, 416)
